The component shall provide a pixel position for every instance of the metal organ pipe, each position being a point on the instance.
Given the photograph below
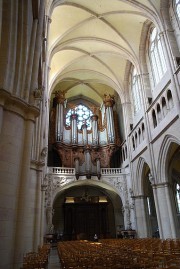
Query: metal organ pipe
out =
(74, 128)
(94, 120)
(59, 99)
(109, 102)
(88, 162)
(110, 125)
(76, 161)
(85, 135)
(59, 122)
(98, 166)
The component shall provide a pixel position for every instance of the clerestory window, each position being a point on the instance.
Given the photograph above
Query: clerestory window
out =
(135, 91)
(156, 57)
(177, 8)
(178, 197)
(84, 115)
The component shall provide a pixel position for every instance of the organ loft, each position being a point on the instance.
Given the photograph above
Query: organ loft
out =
(84, 137)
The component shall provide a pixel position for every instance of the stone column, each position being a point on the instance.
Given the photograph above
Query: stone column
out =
(25, 224)
(42, 215)
(109, 103)
(94, 120)
(30, 60)
(157, 210)
(37, 50)
(11, 159)
(141, 209)
(168, 228)
(38, 208)
(1, 117)
(98, 167)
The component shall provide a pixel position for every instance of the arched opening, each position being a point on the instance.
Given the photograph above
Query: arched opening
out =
(154, 118)
(149, 204)
(173, 173)
(53, 158)
(170, 99)
(164, 106)
(159, 116)
(115, 158)
(82, 211)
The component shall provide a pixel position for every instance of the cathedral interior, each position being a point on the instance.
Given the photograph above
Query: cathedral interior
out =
(89, 121)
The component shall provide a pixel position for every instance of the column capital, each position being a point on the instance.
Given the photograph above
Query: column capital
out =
(162, 184)
(18, 106)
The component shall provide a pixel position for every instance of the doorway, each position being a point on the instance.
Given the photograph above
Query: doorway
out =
(86, 213)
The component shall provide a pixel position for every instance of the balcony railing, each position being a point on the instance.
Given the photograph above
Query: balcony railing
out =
(61, 170)
(112, 171)
(71, 171)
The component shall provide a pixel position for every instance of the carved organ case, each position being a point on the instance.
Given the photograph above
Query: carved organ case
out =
(84, 136)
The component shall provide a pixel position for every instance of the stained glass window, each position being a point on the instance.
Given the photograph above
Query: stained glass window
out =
(177, 8)
(156, 56)
(178, 196)
(135, 90)
(84, 114)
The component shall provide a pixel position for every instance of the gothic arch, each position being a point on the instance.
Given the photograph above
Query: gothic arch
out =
(114, 209)
(163, 157)
(140, 173)
(93, 183)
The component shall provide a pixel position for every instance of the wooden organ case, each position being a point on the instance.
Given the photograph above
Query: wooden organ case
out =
(86, 150)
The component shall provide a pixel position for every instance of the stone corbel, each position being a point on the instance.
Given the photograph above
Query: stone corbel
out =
(151, 179)
(38, 95)
(44, 153)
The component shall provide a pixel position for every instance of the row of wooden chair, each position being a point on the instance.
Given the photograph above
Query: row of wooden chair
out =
(149, 253)
(37, 260)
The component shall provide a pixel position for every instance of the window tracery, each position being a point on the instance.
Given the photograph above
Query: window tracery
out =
(178, 197)
(84, 115)
(177, 8)
(135, 90)
(156, 57)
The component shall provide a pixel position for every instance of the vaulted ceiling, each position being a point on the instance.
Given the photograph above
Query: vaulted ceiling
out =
(90, 43)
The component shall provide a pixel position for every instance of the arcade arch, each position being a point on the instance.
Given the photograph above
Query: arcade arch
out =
(82, 210)
(144, 202)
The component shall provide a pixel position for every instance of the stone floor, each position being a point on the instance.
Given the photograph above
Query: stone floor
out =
(54, 260)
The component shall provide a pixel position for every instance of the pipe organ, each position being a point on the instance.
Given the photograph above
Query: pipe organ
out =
(81, 139)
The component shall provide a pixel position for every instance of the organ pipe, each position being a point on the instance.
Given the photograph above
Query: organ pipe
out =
(94, 120)
(59, 126)
(109, 103)
(85, 135)
(74, 133)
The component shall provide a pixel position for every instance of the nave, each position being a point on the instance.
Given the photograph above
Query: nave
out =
(54, 260)
(148, 253)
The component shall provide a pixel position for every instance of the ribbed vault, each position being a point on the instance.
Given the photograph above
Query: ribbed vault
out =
(90, 44)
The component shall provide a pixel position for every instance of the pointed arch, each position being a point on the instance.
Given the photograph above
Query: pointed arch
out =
(140, 175)
(162, 159)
